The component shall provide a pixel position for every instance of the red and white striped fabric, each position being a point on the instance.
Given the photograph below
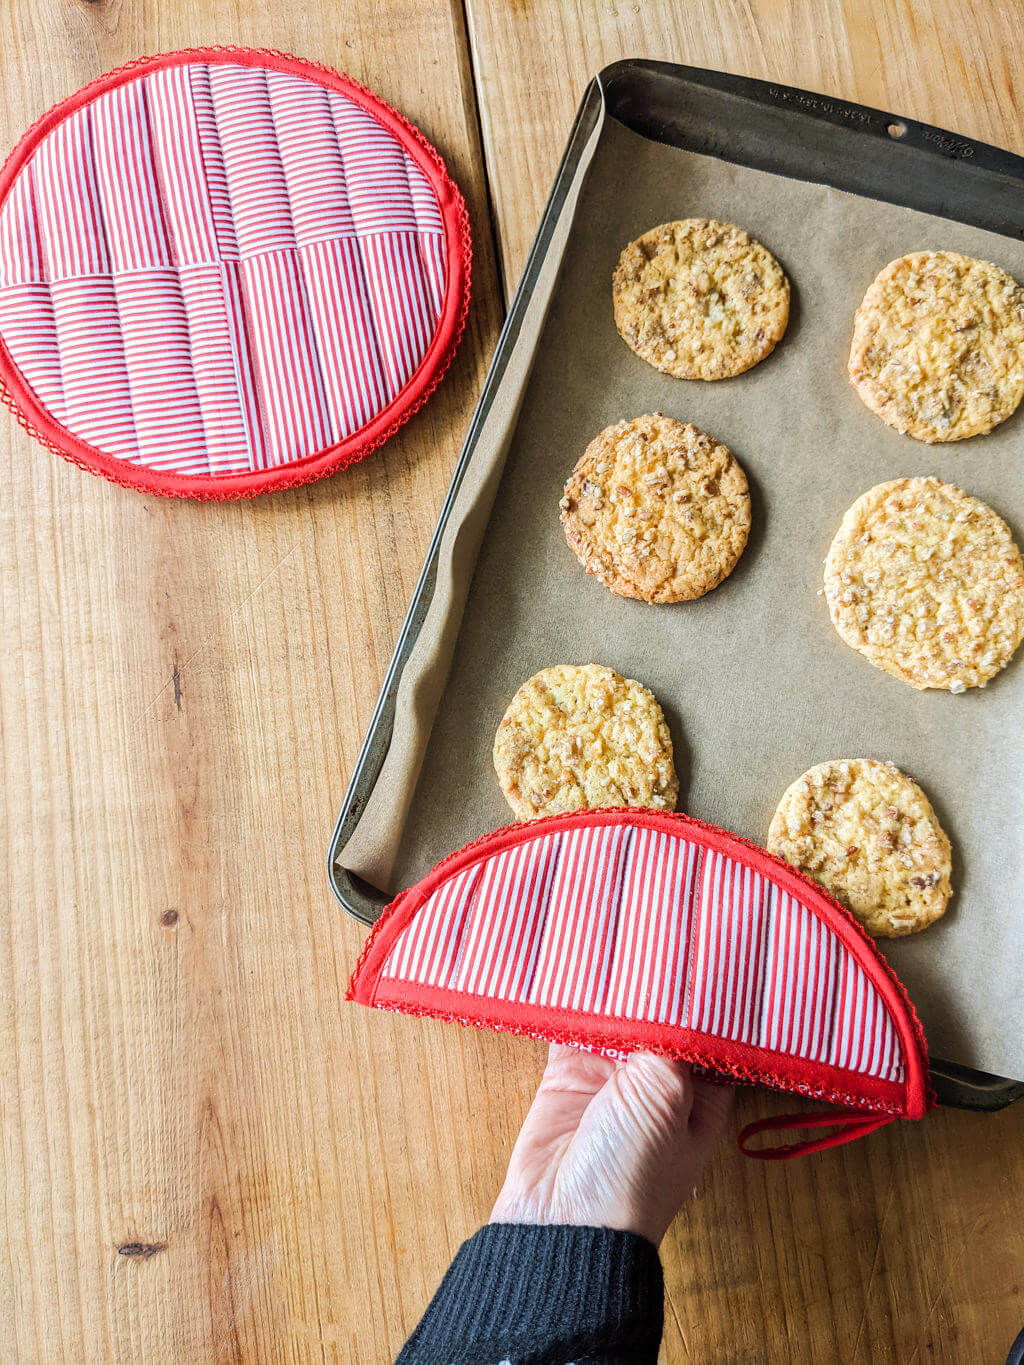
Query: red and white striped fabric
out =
(627, 930)
(223, 272)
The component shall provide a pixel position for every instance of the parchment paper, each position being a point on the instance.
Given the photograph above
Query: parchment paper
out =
(755, 683)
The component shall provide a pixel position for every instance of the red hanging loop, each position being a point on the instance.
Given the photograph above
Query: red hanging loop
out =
(849, 1123)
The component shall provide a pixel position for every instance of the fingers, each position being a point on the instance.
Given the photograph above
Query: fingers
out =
(671, 1077)
(668, 1086)
(559, 1052)
(665, 1083)
(576, 1068)
(658, 1095)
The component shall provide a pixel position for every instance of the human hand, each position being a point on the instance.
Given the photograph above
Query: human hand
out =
(612, 1144)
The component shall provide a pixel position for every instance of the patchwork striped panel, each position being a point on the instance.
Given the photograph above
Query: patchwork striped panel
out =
(215, 269)
(622, 921)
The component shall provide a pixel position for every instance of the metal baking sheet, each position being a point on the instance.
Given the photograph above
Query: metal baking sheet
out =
(754, 681)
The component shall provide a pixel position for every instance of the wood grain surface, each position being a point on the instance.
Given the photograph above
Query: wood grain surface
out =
(205, 1154)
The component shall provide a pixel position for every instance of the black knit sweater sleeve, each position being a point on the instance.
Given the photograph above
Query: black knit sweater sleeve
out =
(544, 1296)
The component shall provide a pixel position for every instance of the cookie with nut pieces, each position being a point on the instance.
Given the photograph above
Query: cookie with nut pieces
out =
(699, 299)
(868, 834)
(657, 509)
(927, 583)
(577, 736)
(938, 346)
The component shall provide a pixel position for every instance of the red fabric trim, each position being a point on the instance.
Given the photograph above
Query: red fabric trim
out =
(849, 1123)
(729, 1059)
(30, 413)
(735, 1059)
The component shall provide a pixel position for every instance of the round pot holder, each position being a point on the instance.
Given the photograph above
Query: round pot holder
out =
(224, 272)
(624, 930)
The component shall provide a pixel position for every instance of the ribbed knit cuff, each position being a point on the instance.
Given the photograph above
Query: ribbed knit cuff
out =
(544, 1296)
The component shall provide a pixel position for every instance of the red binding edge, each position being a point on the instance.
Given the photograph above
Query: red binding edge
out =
(867, 1102)
(17, 394)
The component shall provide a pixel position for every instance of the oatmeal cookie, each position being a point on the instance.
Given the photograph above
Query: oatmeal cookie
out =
(657, 510)
(700, 299)
(938, 346)
(579, 736)
(867, 833)
(926, 582)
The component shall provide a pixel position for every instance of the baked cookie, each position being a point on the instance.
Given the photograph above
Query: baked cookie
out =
(926, 582)
(577, 736)
(867, 833)
(938, 346)
(657, 510)
(699, 299)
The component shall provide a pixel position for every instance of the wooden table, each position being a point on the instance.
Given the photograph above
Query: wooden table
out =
(206, 1154)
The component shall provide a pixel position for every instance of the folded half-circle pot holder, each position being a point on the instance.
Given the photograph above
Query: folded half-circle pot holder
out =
(224, 272)
(640, 930)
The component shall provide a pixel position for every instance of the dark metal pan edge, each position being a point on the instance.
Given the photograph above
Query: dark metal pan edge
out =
(962, 1087)
(813, 137)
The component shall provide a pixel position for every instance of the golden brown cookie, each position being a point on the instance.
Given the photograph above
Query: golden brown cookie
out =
(867, 833)
(657, 510)
(700, 299)
(938, 346)
(926, 582)
(579, 736)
